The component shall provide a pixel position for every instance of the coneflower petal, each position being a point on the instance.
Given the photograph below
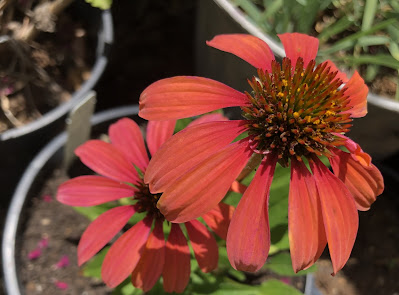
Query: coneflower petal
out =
(248, 238)
(247, 47)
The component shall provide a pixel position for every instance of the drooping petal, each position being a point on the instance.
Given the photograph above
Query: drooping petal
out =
(92, 190)
(365, 182)
(187, 96)
(204, 245)
(357, 92)
(204, 186)
(305, 221)
(107, 160)
(125, 253)
(208, 118)
(248, 238)
(247, 47)
(340, 215)
(127, 137)
(151, 264)
(218, 219)
(102, 230)
(176, 272)
(299, 45)
(158, 132)
(333, 68)
(188, 148)
(356, 152)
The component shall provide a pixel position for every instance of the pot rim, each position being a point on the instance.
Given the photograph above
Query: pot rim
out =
(277, 48)
(11, 283)
(105, 38)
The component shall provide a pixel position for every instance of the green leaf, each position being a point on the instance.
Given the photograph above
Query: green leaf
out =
(336, 28)
(274, 7)
(281, 264)
(373, 40)
(276, 287)
(234, 288)
(278, 201)
(393, 32)
(251, 9)
(93, 267)
(394, 50)
(371, 72)
(370, 9)
(349, 41)
(102, 4)
(272, 287)
(378, 59)
(224, 264)
(126, 288)
(182, 123)
(279, 238)
(94, 211)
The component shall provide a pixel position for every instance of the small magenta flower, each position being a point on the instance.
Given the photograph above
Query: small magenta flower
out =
(296, 111)
(34, 254)
(63, 262)
(141, 251)
(61, 285)
(37, 252)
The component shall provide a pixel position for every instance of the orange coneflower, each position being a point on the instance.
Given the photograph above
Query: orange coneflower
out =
(297, 111)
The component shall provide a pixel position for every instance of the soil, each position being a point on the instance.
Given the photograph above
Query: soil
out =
(62, 226)
(36, 76)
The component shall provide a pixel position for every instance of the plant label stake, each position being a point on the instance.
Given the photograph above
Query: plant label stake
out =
(78, 126)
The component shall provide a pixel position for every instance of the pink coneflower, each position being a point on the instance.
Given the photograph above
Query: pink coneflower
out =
(141, 250)
(297, 111)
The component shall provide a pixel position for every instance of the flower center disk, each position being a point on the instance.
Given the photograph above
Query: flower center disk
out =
(296, 111)
(147, 202)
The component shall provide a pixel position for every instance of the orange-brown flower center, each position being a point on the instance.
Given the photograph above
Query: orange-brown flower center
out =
(147, 202)
(295, 111)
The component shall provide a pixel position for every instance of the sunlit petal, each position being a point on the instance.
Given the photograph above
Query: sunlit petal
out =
(187, 96)
(365, 182)
(218, 219)
(340, 215)
(107, 160)
(188, 148)
(127, 137)
(125, 253)
(299, 45)
(333, 68)
(158, 132)
(357, 92)
(204, 186)
(305, 221)
(204, 245)
(108, 224)
(176, 272)
(248, 238)
(92, 190)
(250, 48)
(151, 264)
(208, 118)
